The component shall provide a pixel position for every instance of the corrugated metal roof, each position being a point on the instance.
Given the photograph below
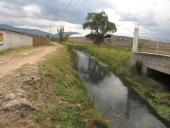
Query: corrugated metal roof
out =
(30, 32)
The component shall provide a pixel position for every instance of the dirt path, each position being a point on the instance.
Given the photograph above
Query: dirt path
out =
(9, 63)
(19, 78)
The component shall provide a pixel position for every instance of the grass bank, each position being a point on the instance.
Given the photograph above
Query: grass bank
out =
(66, 103)
(119, 62)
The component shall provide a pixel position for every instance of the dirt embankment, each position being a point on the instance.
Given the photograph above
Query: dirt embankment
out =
(19, 77)
(15, 88)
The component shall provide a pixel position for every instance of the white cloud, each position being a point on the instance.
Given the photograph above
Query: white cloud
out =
(9, 10)
(32, 9)
(152, 15)
(125, 28)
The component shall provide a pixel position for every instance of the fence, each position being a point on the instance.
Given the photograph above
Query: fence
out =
(145, 44)
(37, 41)
(119, 43)
(153, 45)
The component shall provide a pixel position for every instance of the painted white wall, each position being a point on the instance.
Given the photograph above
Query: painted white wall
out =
(13, 40)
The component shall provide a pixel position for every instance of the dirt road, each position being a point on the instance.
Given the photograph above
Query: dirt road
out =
(19, 79)
(9, 63)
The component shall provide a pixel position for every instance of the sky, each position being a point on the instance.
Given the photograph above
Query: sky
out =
(152, 16)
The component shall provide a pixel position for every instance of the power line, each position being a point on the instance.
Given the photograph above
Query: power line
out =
(69, 4)
(78, 5)
(70, 10)
(81, 4)
(79, 1)
(66, 9)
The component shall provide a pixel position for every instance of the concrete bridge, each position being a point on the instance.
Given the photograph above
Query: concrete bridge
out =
(156, 62)
(152, 61)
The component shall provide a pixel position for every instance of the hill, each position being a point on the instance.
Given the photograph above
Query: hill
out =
(31, 31)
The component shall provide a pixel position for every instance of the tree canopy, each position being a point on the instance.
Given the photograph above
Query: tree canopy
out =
(99, 25)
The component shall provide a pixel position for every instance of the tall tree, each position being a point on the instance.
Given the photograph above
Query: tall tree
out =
(99, 25)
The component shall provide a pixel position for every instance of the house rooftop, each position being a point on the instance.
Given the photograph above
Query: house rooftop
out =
(30, 32)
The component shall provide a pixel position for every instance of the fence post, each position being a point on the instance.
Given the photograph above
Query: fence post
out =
(157, 46)
(135, 40)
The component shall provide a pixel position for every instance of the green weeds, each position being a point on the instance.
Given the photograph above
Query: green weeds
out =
(71, 104)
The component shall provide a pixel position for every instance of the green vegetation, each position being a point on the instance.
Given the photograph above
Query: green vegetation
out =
(67, 104)
(21, 49)
(12, 51)
(99, 25)
(119, 61)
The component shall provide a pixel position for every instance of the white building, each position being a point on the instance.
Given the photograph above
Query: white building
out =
(11, 39)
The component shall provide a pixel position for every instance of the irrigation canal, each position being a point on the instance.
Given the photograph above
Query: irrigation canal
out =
(117, 102)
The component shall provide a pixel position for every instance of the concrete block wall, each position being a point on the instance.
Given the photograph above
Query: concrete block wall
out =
(13, 40)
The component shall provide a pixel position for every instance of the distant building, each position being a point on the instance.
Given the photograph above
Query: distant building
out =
(11, 39)
(78, 38)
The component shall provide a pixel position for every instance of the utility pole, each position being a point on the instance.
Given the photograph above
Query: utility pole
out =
(49, 33)
(60, 31)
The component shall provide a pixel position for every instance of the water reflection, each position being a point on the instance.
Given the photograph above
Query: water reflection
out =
(119, 104)
(93, 72)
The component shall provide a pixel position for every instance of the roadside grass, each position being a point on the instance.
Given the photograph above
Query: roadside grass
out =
(67, 104)
(118, 61)
(21, 49)
(13, 51)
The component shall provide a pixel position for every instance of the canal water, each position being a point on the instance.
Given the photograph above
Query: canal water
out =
(119, 104)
